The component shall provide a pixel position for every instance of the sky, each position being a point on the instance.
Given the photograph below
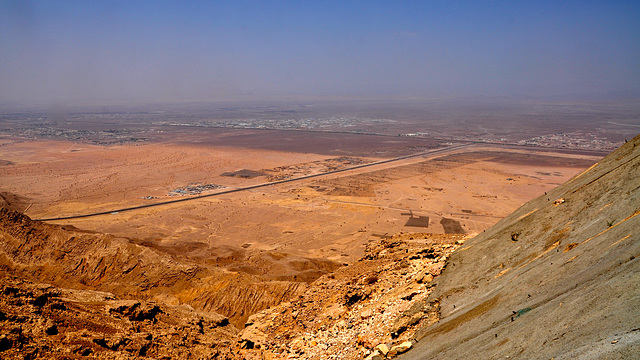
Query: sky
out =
(108, 51)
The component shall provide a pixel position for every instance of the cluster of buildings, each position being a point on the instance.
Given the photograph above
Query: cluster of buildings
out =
(572, 140)
(194, 189)
(325, 123)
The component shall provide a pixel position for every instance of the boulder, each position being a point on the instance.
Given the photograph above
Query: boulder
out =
(400, 348)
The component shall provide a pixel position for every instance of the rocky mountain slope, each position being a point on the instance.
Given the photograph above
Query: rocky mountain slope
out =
(72, 258)
(44, 322)
(377, 302)
(559, 278)
(114, 298)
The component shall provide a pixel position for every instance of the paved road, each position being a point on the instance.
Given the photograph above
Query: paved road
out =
(430, 152)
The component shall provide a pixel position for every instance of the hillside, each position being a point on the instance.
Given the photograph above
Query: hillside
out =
(72, 258)
(107, 297)
(39, 321)
(346, 314)
(559, 278)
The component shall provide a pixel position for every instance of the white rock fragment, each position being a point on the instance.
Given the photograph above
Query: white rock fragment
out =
(400, 348)
(382, 348)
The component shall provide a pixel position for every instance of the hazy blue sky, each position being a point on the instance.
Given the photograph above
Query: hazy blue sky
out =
(67, 51)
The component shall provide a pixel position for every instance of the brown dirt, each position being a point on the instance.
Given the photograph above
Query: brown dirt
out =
(39, 321)
(13, 201)
(239, 253)
(331, 218)
(77, 259)
(254, 252)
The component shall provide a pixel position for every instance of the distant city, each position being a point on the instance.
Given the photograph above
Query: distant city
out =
(573, 127)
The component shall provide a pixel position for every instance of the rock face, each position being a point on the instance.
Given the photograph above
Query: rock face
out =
(359, 311)
(72, 258)
(566, 287)
(45, 322)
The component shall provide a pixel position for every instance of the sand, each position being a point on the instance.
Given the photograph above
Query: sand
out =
(330, 217)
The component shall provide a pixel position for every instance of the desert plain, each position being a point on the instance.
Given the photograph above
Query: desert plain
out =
(286, 228)
(272, 222)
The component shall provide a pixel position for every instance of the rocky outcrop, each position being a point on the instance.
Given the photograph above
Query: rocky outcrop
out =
(87, 260)
(368, 309)
(558, 278)
(39, 321)
(71, 258)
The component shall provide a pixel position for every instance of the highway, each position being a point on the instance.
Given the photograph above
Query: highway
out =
(257, 186)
